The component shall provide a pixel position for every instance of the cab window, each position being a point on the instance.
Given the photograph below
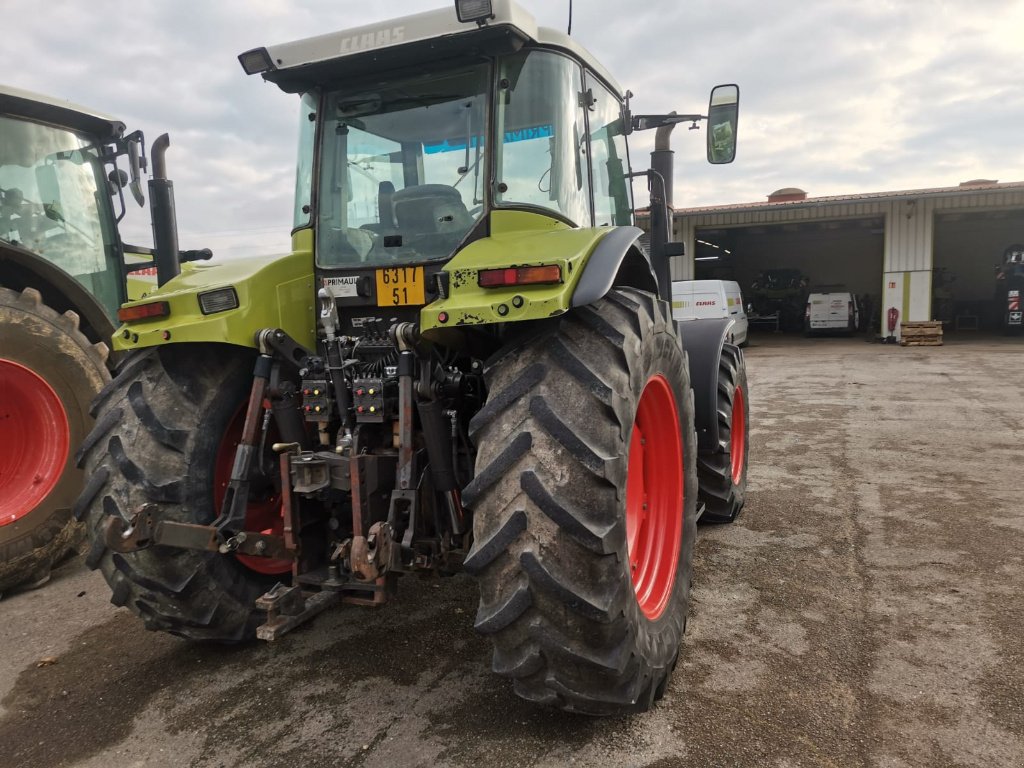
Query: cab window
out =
(541, 139)
(609, 161)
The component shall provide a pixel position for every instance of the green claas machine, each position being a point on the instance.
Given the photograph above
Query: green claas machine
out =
(467, 363)
(63, 273)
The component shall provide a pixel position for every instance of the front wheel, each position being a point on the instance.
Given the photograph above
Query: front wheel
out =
(723, 470)
(584, 507)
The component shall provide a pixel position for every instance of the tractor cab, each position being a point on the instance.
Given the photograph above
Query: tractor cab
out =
(420, 138)
(59, 187)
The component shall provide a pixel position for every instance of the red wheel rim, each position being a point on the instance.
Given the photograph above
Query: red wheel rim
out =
(738, 436)
(654, 497)
(34, 443)
(263, 515)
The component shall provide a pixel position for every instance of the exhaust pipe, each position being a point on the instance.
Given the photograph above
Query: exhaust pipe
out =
(662, 157)
(165, 222)
(661, 207)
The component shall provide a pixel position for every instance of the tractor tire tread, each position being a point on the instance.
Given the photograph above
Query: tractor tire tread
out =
(556, 597)
(724, 499)
(51, 345)
(151, 454)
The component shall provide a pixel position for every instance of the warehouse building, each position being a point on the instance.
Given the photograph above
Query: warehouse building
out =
(927, 253)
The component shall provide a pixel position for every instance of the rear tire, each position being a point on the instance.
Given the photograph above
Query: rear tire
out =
(555, 539)
(49, 371)
(158, 430)
(722, 473)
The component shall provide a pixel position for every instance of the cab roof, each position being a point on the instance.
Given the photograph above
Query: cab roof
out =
(410, 40)
(47, 109)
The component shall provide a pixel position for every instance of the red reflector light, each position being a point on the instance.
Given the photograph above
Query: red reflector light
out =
(144, 311)
(499, 278)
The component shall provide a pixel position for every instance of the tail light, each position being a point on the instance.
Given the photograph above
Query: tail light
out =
(144, 311)
(849, 307)
(501, 278)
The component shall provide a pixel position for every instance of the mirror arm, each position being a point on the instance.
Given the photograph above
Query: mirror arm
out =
(646, 122)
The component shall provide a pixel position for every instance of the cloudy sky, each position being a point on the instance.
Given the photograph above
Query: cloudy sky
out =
(838, 96)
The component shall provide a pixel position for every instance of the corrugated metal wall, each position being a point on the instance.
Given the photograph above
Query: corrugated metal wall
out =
(908, 243)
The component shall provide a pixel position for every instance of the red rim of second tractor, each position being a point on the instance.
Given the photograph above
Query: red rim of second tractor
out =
(263, 516)
(36, 440)
(738, 437)
(654, 497)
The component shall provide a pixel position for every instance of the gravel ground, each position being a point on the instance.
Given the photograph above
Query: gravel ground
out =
(865, 610)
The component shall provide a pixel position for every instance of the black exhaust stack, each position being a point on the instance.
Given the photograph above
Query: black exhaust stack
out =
(165, 222)
(661, 207)
(662, 158)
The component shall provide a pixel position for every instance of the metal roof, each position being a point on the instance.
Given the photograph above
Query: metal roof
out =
(47, 109)
(965, 188)
(439, 29)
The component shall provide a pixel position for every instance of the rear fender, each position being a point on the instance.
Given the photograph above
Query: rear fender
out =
(617, 260)
(21, 268)
(703, 341)
(591, 260)
(271, 292)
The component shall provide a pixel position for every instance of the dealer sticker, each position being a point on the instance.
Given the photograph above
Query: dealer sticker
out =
(342, 287)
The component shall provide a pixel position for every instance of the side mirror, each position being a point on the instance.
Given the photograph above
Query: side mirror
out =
(136, 163)
(675, 249)
(723, 115)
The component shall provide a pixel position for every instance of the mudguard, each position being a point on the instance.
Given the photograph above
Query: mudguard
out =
(609, 256)
(589, 259)
(21, 268)
(703, 341)
(272, 292)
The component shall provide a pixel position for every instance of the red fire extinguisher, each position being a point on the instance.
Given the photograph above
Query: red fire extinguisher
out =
(892, 316)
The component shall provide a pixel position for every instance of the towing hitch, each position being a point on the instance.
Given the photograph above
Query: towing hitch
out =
(146, 529)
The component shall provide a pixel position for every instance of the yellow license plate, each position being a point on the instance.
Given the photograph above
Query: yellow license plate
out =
(399, 286)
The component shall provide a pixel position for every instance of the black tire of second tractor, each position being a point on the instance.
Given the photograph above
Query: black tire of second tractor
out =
(550, 551)
(52, 346)
(159, 425)
(723, 498)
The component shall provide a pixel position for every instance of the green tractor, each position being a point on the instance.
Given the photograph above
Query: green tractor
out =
(467, 363)
(63, 275)
(64, 271)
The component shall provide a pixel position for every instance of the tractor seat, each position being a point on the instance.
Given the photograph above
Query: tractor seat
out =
(431, 209)
(343, 246)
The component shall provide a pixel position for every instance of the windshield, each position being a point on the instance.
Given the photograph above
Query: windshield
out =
(403, 168)
(51, 203)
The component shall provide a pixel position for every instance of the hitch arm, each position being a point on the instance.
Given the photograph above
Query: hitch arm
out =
(236, 495)
(146, 530)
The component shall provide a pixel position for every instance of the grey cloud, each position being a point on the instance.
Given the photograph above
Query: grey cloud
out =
(837, 96)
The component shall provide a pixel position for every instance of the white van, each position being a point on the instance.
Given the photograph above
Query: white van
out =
(831, 310)
(701, 299)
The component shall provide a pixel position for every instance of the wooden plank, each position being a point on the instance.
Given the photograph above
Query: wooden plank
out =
(921, 343)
